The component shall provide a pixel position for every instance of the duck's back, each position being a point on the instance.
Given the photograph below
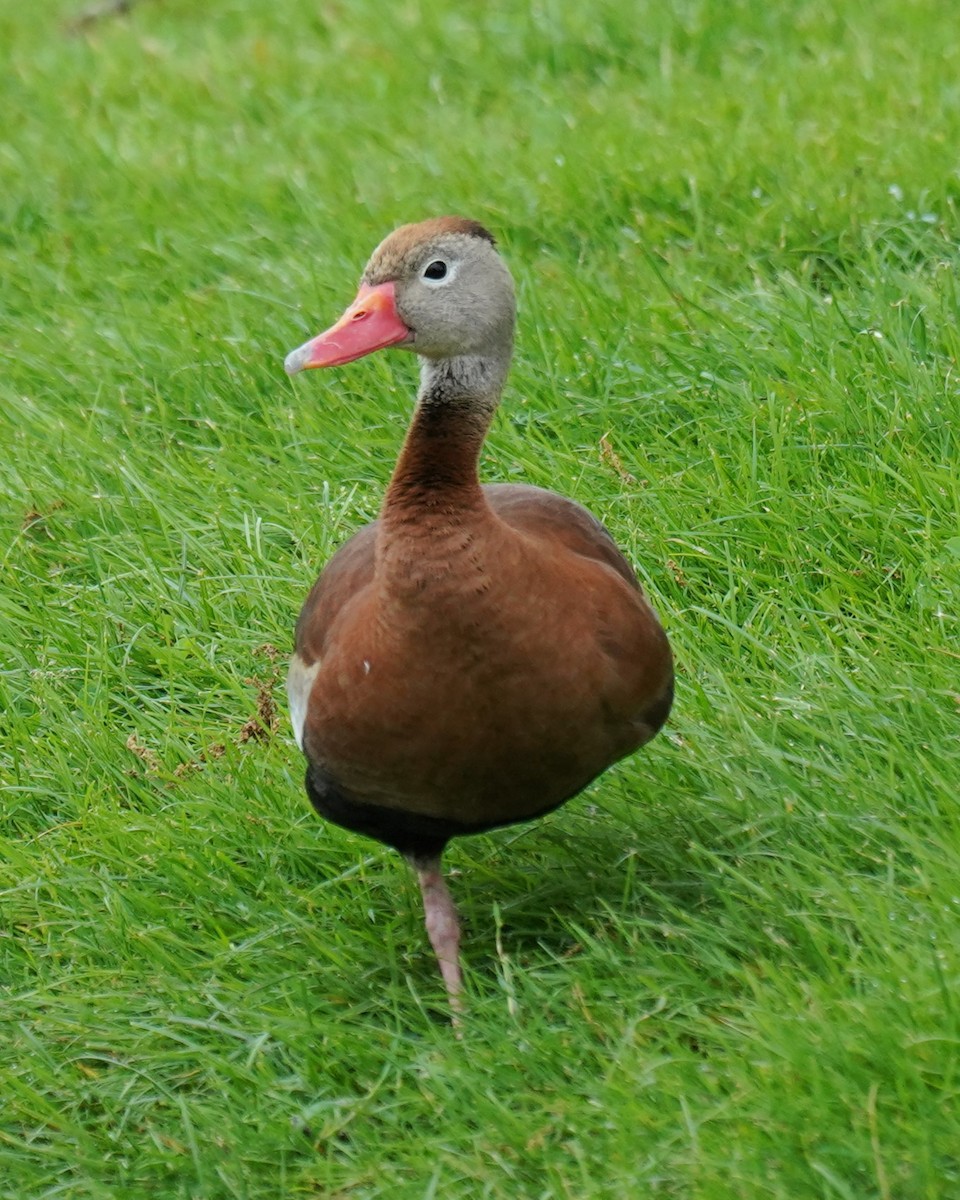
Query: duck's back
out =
(543, 514)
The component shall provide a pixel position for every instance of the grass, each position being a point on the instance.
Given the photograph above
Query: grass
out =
(731, 968)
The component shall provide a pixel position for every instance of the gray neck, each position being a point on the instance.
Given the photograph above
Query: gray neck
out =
(472, 382)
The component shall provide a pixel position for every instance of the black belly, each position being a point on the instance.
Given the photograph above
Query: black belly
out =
(417, 836)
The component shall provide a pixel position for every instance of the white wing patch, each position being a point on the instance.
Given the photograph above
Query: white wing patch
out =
(300, 679)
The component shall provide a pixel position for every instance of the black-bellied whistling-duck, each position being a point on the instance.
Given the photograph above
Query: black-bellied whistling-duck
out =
(480, 653)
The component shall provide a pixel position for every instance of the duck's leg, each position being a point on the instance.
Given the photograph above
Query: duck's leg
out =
(443, 927)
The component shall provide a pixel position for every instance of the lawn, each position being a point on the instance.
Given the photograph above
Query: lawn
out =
(731, 969)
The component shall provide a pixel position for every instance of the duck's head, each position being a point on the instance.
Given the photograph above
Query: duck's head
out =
(438, 288)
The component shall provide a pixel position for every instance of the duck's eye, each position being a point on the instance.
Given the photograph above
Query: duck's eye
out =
(436, 270)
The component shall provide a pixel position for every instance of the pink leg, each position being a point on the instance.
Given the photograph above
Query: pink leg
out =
(440, 916)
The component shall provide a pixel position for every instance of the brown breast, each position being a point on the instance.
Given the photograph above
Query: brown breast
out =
(502, 661)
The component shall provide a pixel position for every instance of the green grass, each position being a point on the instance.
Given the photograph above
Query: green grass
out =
(731, 969)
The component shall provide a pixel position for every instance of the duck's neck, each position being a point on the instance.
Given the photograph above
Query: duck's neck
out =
(436, 472)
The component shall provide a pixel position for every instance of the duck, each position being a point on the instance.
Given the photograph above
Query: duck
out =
(481, 652)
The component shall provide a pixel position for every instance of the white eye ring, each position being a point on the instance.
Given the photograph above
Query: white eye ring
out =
(449, 271)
